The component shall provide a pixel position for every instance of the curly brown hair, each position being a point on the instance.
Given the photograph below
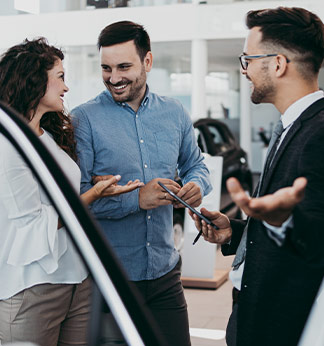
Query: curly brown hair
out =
(23, 82)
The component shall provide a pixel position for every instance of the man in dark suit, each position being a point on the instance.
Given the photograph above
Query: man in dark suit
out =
(279, 261)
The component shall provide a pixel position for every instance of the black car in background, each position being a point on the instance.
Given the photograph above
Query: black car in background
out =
(215, 138)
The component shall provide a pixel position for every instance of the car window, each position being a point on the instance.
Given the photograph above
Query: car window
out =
(201, 140)
(40, 259)
(216, 135)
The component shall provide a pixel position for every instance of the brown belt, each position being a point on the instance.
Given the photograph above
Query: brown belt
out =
(235, 295)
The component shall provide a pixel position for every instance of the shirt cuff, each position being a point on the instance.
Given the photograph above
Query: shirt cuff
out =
(130, 202)
(278, 234)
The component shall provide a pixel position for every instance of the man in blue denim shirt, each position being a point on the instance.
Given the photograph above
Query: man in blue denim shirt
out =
(130, 131)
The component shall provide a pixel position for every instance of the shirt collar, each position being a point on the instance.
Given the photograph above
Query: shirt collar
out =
(297, 108)
(146, 96)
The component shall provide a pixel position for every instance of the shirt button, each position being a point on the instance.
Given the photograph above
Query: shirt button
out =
(149, 217)
(245, 286)
(136, 115)
(145, 166)
(142, 141)
(148, 244)
(251, 242)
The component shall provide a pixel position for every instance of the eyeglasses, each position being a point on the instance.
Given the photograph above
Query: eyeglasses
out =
(244, 59)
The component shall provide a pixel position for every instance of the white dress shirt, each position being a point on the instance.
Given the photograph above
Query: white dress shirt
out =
(33, 251)
(278, 234)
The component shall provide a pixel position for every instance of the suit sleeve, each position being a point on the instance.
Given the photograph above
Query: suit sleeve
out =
(237, 229)
(306, 238)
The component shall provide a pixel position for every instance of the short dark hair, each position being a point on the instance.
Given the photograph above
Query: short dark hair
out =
(294, 29)
(125, 31)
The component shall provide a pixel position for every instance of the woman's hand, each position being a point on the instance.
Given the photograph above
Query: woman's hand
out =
(109, 187)
(106, 186)
(97, 178)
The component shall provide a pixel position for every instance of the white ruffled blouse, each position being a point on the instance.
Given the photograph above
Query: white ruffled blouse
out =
(32, 249)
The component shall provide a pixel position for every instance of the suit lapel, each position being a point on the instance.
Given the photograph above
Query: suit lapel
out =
(291, 133)
(311, 111)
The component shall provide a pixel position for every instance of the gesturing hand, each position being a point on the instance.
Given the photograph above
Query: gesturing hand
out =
(274, 208)
(109, 187)
(106, 185)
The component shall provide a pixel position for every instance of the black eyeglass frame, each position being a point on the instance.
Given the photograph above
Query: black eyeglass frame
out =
(244, 63)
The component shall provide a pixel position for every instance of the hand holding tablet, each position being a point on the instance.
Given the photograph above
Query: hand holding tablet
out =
(201, 216)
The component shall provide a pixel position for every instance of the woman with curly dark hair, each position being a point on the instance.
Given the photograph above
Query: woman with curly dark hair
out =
(44, 294)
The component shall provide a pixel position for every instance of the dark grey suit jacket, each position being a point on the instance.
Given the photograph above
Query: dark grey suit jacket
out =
(279, 284)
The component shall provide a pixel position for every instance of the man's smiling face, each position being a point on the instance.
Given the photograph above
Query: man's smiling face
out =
(123, 72)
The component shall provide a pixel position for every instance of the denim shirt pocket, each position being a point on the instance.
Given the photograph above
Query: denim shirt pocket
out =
(167, 147)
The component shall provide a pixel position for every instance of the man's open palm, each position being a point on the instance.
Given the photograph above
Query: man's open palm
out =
(274, 208)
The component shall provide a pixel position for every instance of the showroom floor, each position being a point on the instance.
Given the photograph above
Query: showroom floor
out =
(209, 309)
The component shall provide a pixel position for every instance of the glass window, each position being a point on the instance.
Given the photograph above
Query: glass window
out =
(216, 135)
(201, 140)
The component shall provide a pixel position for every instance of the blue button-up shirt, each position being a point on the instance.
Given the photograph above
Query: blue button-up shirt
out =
(150, 143)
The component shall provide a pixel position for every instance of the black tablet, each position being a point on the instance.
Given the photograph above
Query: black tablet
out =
(188, 206)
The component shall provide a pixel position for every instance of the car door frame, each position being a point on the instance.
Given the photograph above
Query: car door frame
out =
(136, 324)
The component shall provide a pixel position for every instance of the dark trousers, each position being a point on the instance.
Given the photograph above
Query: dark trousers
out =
(231, 328)
(165, 299)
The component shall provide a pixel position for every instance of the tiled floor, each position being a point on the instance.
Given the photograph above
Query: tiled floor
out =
(210, 309)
